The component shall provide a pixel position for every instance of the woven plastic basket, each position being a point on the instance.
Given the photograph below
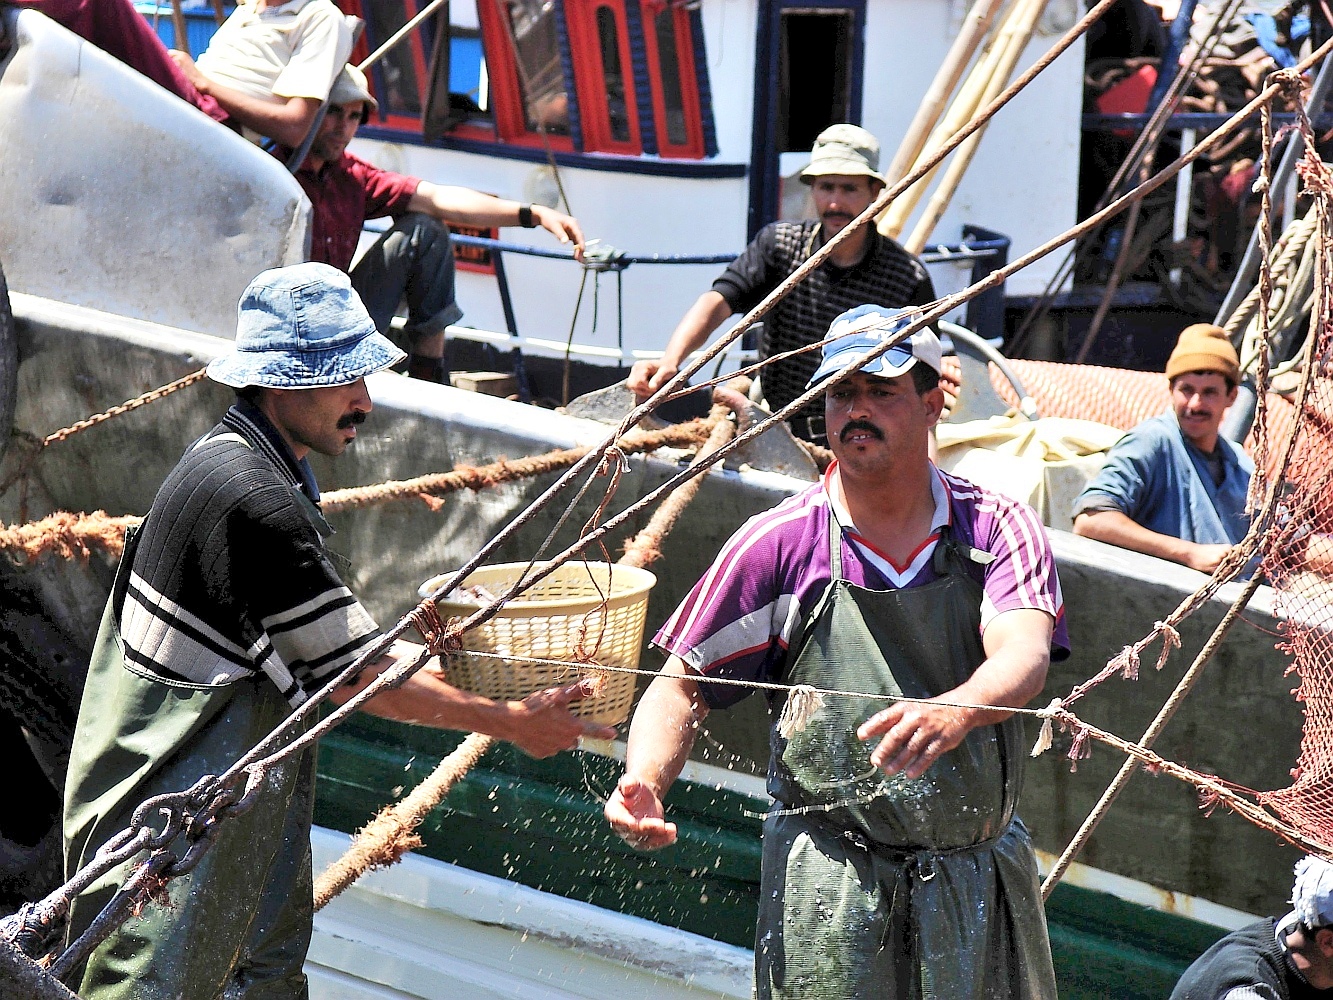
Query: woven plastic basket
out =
(583, 613)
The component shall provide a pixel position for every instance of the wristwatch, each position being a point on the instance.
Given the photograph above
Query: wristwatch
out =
(525, 217)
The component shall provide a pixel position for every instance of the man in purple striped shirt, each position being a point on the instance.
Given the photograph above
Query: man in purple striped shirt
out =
(893, 864)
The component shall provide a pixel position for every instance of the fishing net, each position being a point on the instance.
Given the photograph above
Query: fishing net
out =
(1291, 499)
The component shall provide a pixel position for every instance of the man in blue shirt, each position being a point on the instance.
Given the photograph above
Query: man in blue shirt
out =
(1173, 487)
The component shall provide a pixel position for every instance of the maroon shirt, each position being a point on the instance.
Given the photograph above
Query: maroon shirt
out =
(344, 195)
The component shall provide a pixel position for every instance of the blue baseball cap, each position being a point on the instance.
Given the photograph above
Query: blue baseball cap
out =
(866, 327)
(302, 327)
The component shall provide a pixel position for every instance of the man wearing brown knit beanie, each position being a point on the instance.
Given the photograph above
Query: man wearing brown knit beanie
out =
(1174, 487)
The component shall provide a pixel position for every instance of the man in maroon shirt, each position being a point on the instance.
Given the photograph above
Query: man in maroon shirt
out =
(413, 260)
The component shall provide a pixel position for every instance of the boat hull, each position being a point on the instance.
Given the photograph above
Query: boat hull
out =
(538, 823)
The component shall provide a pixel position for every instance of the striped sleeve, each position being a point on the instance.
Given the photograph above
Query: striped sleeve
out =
(1023, 572)
(743, 613)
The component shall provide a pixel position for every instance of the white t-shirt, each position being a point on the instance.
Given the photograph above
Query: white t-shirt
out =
(294, 49)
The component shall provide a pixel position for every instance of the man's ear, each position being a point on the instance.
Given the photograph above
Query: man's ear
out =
(1323, 939)
(934, 400)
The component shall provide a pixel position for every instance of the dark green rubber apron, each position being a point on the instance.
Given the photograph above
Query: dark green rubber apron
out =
(878, 887)
(239, 925)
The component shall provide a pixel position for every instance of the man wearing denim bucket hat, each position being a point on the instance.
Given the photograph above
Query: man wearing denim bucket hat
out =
(844, 179)
(227, 611)
(1287, 959)
(894, 864)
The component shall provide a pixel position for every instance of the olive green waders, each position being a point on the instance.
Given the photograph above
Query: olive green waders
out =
(877, 887)
(239, 924)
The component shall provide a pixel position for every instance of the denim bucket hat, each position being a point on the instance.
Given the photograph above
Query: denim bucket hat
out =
(302, 327)
(866, 327)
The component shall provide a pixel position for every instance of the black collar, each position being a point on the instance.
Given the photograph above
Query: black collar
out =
(248, 420)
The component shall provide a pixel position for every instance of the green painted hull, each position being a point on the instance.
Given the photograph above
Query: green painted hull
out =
(539, 823)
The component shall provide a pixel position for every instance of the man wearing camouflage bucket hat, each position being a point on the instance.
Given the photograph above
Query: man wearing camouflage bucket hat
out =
(226, 613)
(844, 178)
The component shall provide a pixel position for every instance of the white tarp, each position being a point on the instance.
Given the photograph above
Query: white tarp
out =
(120, 196)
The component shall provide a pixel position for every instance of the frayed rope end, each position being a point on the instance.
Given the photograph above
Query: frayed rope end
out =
(803, 701)
(1046, 737)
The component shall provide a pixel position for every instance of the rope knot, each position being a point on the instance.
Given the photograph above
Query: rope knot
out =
(1047, 734)
(1127, 663)
(425, 618)
(1170, 641)
(1078, 748)
(803, 701)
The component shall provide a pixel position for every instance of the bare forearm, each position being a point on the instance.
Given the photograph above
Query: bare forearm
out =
(287, 121)
(1115, 528)
(425, 699)
(915, 734)
(663, 730)
(1010, 678)
(463, 206)
(700, 320)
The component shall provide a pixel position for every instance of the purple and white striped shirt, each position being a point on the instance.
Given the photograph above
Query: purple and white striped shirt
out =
(743, 613)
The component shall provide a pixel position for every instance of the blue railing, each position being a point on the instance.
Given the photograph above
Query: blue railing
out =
(986, 249)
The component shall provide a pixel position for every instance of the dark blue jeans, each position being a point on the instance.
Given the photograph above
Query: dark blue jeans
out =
(413, 261)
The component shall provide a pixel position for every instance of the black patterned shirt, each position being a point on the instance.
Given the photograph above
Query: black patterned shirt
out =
(231, 578)
(887, 275)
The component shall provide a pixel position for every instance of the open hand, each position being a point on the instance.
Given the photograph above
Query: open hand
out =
(545, 726)
(563, 227)
(636, 815)
(915, 735)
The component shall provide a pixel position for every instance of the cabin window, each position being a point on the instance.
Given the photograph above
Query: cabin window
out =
(435, 62)
(400, 71)
(814, 82)
(525, 67)
(613, 74)
(673, 79)
(604, 76)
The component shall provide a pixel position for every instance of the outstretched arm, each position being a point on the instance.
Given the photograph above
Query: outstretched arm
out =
(1117, 528)
(702, 318)
(660, 738)
(452, 204)
(915, 734)
(286, 120)
(539, 725)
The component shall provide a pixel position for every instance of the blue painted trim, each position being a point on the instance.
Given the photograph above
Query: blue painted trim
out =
(609, 162)
(571, 86)
(643, 91)
(1199, 120)
(762, 155)
(705, 90)
(764, 180)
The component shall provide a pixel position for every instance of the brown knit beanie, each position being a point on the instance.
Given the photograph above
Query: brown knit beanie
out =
(1204, 348)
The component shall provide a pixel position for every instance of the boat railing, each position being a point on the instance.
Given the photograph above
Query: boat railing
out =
(985, 249)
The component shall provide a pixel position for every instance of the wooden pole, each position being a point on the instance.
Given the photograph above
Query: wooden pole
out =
(975, 27)
(1011, 51)
(178, 25)
(961, 111)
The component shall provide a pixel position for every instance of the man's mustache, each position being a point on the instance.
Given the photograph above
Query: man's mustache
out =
(859, 425)
(351, 420)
